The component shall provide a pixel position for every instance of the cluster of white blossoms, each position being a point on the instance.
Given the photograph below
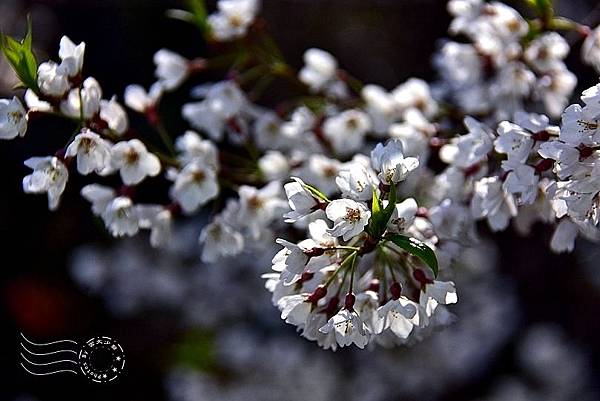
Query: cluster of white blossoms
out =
(352, 281)
(104, 145)
(361, 258)
(500, 68)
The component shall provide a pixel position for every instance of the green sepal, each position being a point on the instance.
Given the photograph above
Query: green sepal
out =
(198, 9)
(316, 193)
(380, 215)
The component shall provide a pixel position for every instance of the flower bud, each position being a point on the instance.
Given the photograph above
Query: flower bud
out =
(395, 290)
(318, 293)
(349, 301)
(306, 276)
(421, 277)
(332, 307)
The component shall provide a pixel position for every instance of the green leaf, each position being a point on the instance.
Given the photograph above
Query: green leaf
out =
(417, 248)
(21, 58)
(198, 10)
(379, 215)
(316, 193)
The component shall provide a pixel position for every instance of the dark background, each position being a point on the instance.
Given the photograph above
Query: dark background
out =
(379, 41)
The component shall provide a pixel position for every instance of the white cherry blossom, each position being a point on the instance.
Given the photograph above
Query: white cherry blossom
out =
(437, 292)
(258, 207)
(99, 196)
(348, 328)
(121, 217)
(403, 215)
(114, 115)
(233, 18)
(222, 102)
(466, 150)
(171, 69)
(389, 160)
(53, 79)
(71, 56)
(346, 131)
(490, 201)
(580, 125)
(522, 180)
(134, 162)
(319, 69)
(13, 118)
(381, 107)
(547, 51)
(34, 103)
(295, 309)
(415, 93)
(192, 147)
(159, 221)
(301, 201)
(93, 153)
(140, 100)
(84, 102)
(50, 176)
(321, 171)
(397, 315)
(565, 155)
(357, 181)
(194, 186)
(274, 165)
(513, 141)
(349, 218)
(220, 240)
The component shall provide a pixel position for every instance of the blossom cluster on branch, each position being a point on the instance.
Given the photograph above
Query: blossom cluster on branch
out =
(370, 193)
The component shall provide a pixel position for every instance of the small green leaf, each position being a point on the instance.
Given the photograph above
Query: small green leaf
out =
(28, 39)
(376, 203)
(417, 248)
(316, 193)
(379, 215)
(374, 228)
(20, 56)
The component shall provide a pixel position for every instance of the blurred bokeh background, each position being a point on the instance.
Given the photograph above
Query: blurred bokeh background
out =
(526, 327)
